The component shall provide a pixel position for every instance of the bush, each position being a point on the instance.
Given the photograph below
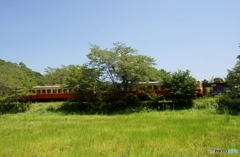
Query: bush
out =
(103, 106)
(205, 103)
(13, 107)
(225, 102)
(128, 101)
(71, 107)
(181, 89)
(131, 100)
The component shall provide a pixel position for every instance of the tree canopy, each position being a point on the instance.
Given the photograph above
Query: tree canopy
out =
(122, 65)
(55, 75)
(233, 79)
(83, 80)
(181, 87)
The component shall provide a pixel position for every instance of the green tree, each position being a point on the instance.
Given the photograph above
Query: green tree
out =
(181, 87)
(121, 65)
(233, 79)
(22, 65)
(83, 80)
(204, 81)
(56, 75)
(218, 80)
(231, 101)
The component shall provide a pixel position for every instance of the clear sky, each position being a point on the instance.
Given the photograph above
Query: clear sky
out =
(200, 35)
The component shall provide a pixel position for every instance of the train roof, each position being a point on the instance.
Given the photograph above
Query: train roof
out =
(151, 82)
(54, 86)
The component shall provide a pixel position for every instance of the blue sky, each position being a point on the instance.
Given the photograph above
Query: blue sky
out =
(202, 36)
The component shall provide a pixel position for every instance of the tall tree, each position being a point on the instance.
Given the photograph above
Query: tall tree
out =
(122, 65)
(233, 79)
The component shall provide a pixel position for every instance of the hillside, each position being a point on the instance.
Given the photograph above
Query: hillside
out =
(15, 82)
(17, 75)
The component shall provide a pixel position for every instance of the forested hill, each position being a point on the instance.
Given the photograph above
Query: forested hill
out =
(13, 75)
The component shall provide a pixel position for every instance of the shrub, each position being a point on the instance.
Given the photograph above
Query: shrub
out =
(225, 102)
(131, 100)
(13, 107)
(205, 103)
(128, 101)
(103, 106)
(181, 88)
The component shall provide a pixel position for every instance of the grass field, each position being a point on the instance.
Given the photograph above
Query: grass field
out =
(166, 133)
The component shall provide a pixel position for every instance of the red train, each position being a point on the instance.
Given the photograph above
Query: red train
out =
(47, 93)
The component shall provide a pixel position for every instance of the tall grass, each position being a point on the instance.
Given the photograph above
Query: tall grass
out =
(40, 132)
(226, 115)
(206, 103)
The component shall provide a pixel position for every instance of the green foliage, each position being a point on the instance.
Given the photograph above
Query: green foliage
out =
(227, 103)
(122, 64)
(14, 75)
(131, 100)
(15, 82)
(204, 81)
(233, 80)
(55, 76)
(181, 87)
(84, 80)
(218, 80)
(101, 105)
(13, 107)
(205, 103)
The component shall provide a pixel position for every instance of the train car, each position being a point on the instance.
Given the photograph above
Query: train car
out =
(56, 92)
(156, 87)
(47, 93)
(199, 89)
(138, 88)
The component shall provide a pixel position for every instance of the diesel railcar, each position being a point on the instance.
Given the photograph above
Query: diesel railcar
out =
(56, 92)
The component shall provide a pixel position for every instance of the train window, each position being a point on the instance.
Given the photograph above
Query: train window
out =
(54, 91)
(32, 91)
(49, 91)
(38, 91)
(43, 91)
(70, 90)
(64, 90)
(155, 87)
(59, 90)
